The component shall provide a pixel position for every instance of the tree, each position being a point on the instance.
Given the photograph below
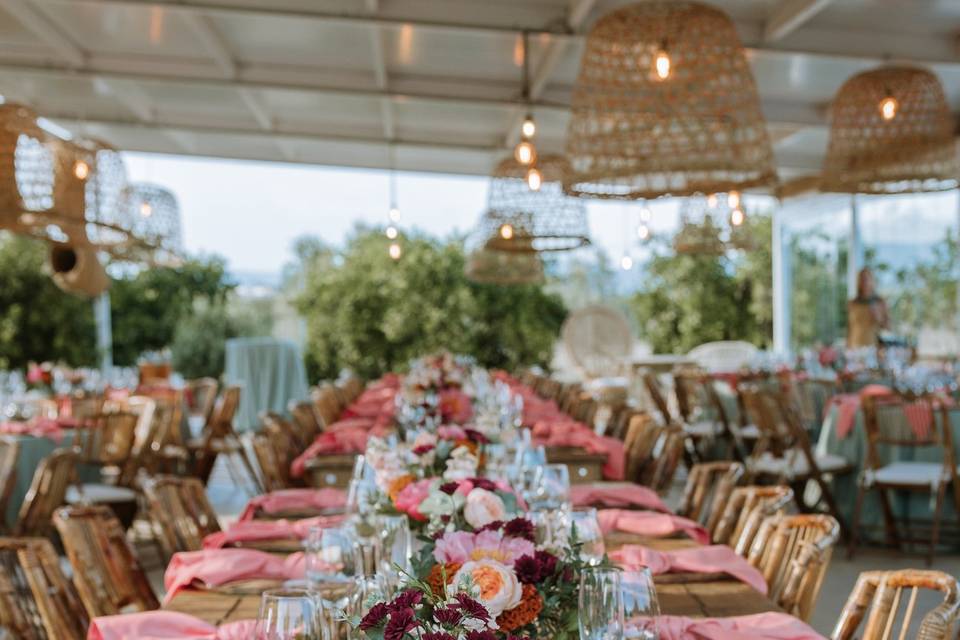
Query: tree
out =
(372, 314)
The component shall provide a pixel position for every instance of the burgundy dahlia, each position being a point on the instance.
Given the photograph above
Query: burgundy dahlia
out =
(527, 569)
(483, 483)
(547, 562)
(486, 634)
(449, 488)
(496, 525)
(437, 635)
(520, 528)
(422, 449)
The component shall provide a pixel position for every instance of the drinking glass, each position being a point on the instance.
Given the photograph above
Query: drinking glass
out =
(543, 526)
(553, 489)
(601, 604)
(330, 555)
(289, 615)
(395, 545)
(640, 605)
(361, 495)
(585, 527)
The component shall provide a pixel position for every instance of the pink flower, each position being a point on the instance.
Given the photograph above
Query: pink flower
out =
(455, 406)
(451, 432)
(409, 499)
(461, 546)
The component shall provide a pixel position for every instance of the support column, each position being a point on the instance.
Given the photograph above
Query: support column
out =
(855, 252)
(101, 316)
(782, 284)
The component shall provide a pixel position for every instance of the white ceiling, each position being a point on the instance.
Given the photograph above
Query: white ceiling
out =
(436, 84)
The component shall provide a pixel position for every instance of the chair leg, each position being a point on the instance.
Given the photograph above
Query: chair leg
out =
(937, 514)
(854, 537)
(889, 522)
(827, 495)
(245, 459)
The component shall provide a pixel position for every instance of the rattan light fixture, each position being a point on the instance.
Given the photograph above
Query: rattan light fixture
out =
(502, 267)
(521, 219)
(712, 225)
(157, 220)
(891, 131)
(666, 104)
(26, 167)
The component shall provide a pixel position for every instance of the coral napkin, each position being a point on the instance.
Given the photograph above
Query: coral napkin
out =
(253, 530)
(567, 434)
(617, 494)
(294, 500)
(215, 567)
(716, 558)
(39, 428)
(648, 523)
(165, 625)
(762, 626)
(346, 440)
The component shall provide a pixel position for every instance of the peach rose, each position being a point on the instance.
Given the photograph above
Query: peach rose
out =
(496, 583)
(483, 507)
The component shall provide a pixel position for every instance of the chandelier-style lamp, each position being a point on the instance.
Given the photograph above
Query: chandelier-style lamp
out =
(891, 131)
(666, 104)
(522, 219)
(156, 215)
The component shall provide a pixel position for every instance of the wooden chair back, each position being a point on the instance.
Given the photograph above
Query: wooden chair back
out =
(106, 572)
(745, 510)
(620, 421)
(307, 421)
(180, 513)
(655, 390)
(271, 448)
(48, 491)
(707, 491)
(653, 452)
(220, 424)
(203, 393)
(37, 602)
(9, 449)
(793, 553)
(107, 439)
(85, 407)
(326, 406)
(905, 420)
(891, 599)
(352, 388)
(568, 398)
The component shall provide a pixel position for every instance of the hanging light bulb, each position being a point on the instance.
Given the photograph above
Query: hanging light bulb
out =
(146, 209)
(395, 250)
(534, 179)
(737, 217)
(643, 232)
(394, 214)
(81, 169)
(525, 153)
(529, 127)
(645, 214)
(888, 108)
(661, 64)
(506, 231)
(626, 263)
(712, 200)
(733, 199)
(392, 232)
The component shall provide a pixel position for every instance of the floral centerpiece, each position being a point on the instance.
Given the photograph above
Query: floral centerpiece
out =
(40, 377)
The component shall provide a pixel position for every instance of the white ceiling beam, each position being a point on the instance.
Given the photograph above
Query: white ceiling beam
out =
(48, 31)
(130, 95)
(256, 107)
(789, 16)
(213, 42)
(380, 77)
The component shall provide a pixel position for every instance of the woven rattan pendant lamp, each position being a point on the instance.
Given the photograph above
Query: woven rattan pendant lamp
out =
(502, 267)
(665, 104)
(157, 215)
(522, 219)
(890, 132)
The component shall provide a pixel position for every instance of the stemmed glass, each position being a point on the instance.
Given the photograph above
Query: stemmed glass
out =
(585, 526)
(641, 608)
(330, 555)
(553, 486)
(289, 615)
(396, 547)
(601, 604)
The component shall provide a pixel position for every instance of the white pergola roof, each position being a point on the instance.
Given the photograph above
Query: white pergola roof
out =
(430, 85)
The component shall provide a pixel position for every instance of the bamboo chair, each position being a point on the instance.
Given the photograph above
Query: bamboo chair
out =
(164, 450)
(707, 491)
(37, 602)
(9, 448)
(327, 407)
(107, 439)
(86, 407)
(204, 394)
(655, 390)
(620, 421)
(353, 387)
(746, 509)
(307, 422)
(886, 425)
(106, 571)
(793, 554)
(653, 452)
(883, 593)
(48, 491)
(220, 438)
(274, 452)
(180, 513)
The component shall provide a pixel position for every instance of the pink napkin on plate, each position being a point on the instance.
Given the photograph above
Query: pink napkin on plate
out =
(649, 523)
(254, 530)
(166, 625)
(717, 558)
(294, 500)
(215, 567)
(353, 440)
(761, 626)
(617, 494)
(586, 439)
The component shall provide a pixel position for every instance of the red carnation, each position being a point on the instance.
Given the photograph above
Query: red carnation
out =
(471, 608)
(447, 615)
(422, 449)
(374, 617)
(449, 488)
(400, 623)
(438, 635)
(405, 600)
(486, 634)
(520, 528)
(547, 562)
(527, 569)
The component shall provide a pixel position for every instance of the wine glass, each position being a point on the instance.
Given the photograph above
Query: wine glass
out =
(395, 545)
(553, 489)
(585, 528)
(640, 604)
(292, 614)
(543, 527)
(330, 555)
(601, 604)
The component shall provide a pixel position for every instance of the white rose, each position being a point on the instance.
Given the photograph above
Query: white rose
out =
(460, 465)
(495, 586)
(483, 507)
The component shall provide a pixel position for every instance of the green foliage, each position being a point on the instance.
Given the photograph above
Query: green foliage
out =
(38, 321)
(372, 314)
(687, 300)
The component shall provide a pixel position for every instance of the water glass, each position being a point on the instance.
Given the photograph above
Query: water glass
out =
(553, 490)
(396, 545)
(543, 527)
(601, 604)
(585, 528)
(330, 555)
(640, 605)
(289, 615)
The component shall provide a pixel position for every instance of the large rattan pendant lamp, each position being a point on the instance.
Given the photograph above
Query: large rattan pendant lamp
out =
(157, 214)
(666, 104)
(520, 218)
(890, 132)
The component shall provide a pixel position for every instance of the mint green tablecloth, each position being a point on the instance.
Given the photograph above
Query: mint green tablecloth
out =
(853, 447)
(271, 374)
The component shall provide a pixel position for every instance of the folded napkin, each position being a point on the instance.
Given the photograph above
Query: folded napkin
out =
(761, 626)
(215, 567)
(648, 523)
(294, 500)
(716, 558)
(352, 440)
(617, 494)
(351, 423)
(39, 428)
(254, 530)
(585, 438)
(166, 625)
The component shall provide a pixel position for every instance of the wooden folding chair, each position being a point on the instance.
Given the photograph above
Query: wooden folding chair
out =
(106, 439)
(882, 597)
(653, 452)
(9, 448)
(203, 395)
(37, 602)
(793, 554)
(306, 421)
(651, 382)
(48, 491)
(909, 422)
(106, 572)
(220, 438)
(326, 405)
(705, 416)
(707, 491)
(180, 513)
(745, 510)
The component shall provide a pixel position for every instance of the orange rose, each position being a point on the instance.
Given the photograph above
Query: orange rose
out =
(397, 485)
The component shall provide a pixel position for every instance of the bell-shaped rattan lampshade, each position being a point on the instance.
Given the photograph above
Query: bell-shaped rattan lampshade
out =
(909, 152)
(109, 222)
(504, 267)
(633, 134)
(706, 227)
(156, 215)
(26, 167)
(539, 220)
